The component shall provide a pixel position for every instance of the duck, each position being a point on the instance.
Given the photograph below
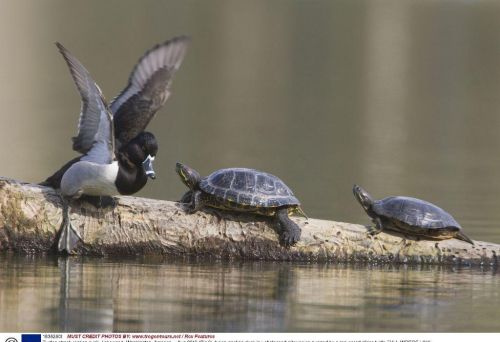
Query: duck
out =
(117, 153)
(133, 108)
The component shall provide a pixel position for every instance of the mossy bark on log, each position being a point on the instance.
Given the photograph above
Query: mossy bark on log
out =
(31, 216)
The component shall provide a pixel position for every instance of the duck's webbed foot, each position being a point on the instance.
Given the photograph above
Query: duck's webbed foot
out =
(289, 230)
(69, 236)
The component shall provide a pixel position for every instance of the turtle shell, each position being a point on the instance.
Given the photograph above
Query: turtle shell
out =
(415, 213)
(248, 187)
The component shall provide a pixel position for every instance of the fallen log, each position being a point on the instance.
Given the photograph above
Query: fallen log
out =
(31, 215)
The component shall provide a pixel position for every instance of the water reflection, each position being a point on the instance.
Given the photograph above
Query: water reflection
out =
(80, 309)
(80, 294)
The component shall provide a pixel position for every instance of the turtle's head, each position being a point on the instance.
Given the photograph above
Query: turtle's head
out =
(190, 177)
(363, 197)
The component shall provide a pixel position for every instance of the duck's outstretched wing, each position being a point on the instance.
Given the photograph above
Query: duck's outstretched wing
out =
(148, 88)
(95, 128)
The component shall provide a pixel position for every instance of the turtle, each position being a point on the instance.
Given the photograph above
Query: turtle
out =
(243, 190)
(409, 216)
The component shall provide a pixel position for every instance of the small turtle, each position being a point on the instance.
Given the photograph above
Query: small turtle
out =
(410, 216)
(244, 190)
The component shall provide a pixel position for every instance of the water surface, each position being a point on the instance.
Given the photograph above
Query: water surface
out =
(80, 294)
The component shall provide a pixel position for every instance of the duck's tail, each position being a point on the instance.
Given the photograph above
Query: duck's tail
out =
(54, 181)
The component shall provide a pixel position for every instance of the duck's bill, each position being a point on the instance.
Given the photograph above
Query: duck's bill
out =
(147, 165)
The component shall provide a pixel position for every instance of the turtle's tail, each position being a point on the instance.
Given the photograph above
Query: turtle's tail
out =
(463, 237)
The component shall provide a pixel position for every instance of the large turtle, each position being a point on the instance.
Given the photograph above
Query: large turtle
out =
(410, 216)
(245, 190)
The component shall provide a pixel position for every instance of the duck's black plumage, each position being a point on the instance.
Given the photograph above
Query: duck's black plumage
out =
(132, 178)
(148, 88)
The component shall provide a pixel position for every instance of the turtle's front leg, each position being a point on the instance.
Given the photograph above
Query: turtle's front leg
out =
(186, 198)
(195, 204)
(289, 230)
(377, 228)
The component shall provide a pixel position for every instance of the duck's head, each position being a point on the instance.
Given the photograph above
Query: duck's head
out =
(141, 151)
(189, 176)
